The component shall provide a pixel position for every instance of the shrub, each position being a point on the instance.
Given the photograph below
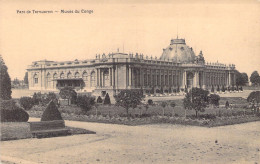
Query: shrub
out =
(99, 100)
(150, 102)
(44, 99)
(26, 102)
(227, 105)
(223, 88)
(85, 102)
(10, 112)
(214, 99)
(51, 113)
(107, 100)
(254, 97)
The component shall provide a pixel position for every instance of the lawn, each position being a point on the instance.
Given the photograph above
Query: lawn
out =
(21, 130)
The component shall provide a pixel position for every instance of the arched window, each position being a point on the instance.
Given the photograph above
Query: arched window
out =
(55, 76)
(92, 79)
(48, 80)
(69, 75)
(62, 76)
(85, 76)
(77, 75)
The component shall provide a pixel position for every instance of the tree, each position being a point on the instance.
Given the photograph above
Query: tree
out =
(68, 93)
(107, 99)
(25, 79)
(128, 99)
(241, 79)
(51, 113)
(254, 78)
(196, 99)
(214, 99)
(5, 81)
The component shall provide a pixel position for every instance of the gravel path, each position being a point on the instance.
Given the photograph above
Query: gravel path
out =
(160, 143)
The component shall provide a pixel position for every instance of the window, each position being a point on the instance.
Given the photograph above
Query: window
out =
(62, 76)
(76, 75)
(93, 79)
(35, 80)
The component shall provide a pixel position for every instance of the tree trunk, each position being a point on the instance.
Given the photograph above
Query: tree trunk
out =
(196, 114)
(185, 114)
(163, 111)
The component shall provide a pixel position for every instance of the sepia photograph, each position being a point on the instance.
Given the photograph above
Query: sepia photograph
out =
(111, 81)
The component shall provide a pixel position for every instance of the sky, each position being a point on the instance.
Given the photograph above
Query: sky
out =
(225, 31)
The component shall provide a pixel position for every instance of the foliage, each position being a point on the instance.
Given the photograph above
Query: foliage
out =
(10, 112)
(214, 99)
(223, 88)
(26, 102)
(254, 97)
(152, 90)
(51, 113)
(178, 89)
(5, 81)
(241, 79)
(25, 79)
(186, 89)
(196, 99)
(107, 100)
(68, 93)
(218, 89)
(85, 102)
(128, 99)
(164, 104)
(150, 102)
(99, 100)
(44, 99)
(212, 89)
(254, 78)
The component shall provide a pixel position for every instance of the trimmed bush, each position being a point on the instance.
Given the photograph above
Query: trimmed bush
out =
(51, 113)
(85, 102)
(150, 102)
(26, 102)
(99, 100)
(107, 100)
(10, 112)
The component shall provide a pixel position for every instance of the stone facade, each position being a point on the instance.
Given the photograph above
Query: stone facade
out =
(178, 67)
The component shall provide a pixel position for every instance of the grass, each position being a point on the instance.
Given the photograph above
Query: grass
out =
(21, 130)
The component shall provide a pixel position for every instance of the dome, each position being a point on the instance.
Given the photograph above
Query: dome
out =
(178, 51)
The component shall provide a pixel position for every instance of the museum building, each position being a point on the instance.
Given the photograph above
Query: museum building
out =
(178, 67)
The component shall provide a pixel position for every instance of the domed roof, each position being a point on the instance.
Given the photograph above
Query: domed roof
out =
(178, 51)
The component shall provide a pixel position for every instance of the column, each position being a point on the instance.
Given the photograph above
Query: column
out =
(97, 80)
(112, 76)
(130, 76)
(110, 79)
(229, 78)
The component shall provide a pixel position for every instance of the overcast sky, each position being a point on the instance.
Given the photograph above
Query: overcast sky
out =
(225, 32)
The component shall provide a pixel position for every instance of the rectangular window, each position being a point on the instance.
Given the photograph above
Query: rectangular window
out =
(36, 80)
